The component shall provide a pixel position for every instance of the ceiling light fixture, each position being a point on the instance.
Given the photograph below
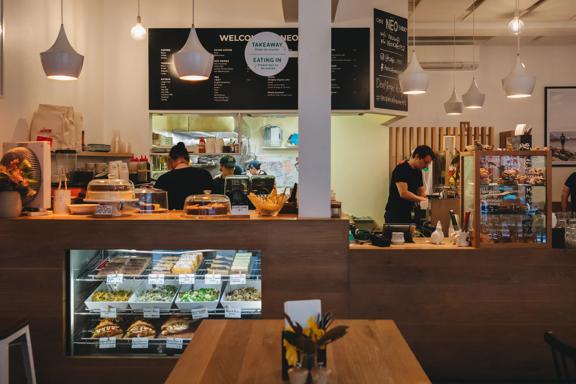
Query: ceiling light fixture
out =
(193, 62)
(453, 106)
(519, 83)
(414, 80)
(61, 61)
(138, 31)
(473, 98)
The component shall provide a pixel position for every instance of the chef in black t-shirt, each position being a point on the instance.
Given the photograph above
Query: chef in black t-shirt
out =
(407, 186)
(183, 180)
(569, 190)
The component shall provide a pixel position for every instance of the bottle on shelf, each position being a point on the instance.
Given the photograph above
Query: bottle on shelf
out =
(202, 145)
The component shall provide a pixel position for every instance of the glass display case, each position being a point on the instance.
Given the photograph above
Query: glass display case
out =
(149, 303)
(508, 195)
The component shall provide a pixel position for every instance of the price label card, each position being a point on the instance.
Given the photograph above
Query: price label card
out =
(239, 210)
(107, 343)
(115, 279)
(156, 279)
(233, 313)
(213, 279)
(199, 313)
(238, 279)
(174, 343)
(104, 210)
(151, 313)
(186, 279)
(140, 343)
(108, 313)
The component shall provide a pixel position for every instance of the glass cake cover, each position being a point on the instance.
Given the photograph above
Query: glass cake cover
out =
(151, 200)
(206, 205)
(110, 190)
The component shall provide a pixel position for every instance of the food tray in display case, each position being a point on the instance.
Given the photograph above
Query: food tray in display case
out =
(154, 296)
(198, 296)
(509, 197)
(165, 326)
(250, 289)
(106, 296)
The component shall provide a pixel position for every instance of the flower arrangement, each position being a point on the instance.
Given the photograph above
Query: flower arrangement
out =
(17, 176)
(299, 341)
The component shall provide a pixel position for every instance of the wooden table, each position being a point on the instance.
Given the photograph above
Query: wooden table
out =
(248, 351)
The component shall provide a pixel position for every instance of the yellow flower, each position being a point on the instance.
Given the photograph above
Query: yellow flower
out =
(313, 331)
(291, 353)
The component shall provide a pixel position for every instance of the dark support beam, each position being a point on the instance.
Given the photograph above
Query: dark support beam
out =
(531, 8)
(475, 4)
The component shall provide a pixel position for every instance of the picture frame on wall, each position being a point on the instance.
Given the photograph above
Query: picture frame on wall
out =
(560, 125)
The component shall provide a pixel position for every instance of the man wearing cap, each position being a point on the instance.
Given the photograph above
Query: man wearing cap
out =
(227, 168)
(253, 168)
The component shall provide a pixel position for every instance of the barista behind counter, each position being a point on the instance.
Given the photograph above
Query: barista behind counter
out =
(228, 167)
(407, 186)
(183, 180)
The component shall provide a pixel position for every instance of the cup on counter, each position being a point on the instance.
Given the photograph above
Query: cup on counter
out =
(397, 238)
(62, 199)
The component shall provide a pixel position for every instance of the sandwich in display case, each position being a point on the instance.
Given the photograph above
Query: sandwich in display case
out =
(138, 303)
(508, 195)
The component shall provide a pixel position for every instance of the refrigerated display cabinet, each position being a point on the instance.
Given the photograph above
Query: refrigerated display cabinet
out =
(509, 197)
(124, 302)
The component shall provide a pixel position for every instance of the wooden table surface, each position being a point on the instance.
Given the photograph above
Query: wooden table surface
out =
(419, 244)
(248, 351)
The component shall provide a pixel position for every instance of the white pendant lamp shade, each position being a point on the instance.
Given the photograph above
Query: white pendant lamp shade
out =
(138, 31)
(516, 25)
(473, 98)
(453, 106)
(519, 83)
(61, 61)
(193, 62)
(414, 81)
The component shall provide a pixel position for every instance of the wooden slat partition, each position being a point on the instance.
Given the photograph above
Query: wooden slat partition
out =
(403, 140)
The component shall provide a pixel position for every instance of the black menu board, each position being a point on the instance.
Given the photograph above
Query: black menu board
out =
(233, 86)
(390, 59)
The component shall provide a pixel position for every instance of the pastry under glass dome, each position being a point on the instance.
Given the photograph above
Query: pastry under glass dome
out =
(206, 205)
(109, 191)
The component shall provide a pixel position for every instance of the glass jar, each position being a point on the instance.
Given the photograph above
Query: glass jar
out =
(151, 200)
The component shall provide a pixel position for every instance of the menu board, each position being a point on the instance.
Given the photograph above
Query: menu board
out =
(233, 86)
(390, 59)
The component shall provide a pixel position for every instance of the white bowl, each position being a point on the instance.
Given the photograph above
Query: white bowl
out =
(82, 209)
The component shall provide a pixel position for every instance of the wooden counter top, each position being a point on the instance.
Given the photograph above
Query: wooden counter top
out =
(419, 244)
(171, 216)
(248, 351)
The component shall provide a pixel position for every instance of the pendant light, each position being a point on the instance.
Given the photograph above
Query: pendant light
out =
(193, 62)
(61, 61)
(414, 81)
(516, 25)
(473, 98)
(453, 106)
(138, 31)
(519, 83)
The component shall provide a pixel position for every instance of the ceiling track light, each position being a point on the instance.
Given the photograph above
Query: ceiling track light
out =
(414, 80)
(473, 98)
(193, 62)
(138, 31)
(454, 105)
(519, 83)
(61, 61)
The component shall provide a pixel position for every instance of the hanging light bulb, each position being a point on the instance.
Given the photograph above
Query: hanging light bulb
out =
(414, 80)
(473, 98)
(453, 106)
(516, 25)
(519, 83)
(193, 62)
(61, 61)
(138, 31)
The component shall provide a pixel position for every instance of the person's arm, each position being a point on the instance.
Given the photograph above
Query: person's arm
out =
(406, 194)
(422, 191)
(565, 195)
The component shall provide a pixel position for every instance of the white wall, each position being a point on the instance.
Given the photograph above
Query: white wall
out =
(552, 65)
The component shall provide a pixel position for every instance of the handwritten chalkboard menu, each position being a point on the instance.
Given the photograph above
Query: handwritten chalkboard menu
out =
(390, 59)
(233, 86)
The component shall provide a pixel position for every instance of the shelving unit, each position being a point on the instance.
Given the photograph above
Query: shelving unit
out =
(85, 276)
(119, 155)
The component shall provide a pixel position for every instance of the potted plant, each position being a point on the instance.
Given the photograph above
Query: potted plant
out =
(15, 184)
(305, 348)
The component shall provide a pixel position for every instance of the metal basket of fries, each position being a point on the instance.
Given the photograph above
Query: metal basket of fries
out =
(268, 205)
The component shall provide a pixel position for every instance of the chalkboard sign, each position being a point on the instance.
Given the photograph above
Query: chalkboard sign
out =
(390, 59)
(233, 86)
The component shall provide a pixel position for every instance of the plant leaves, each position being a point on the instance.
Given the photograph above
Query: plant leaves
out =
(333, 335)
